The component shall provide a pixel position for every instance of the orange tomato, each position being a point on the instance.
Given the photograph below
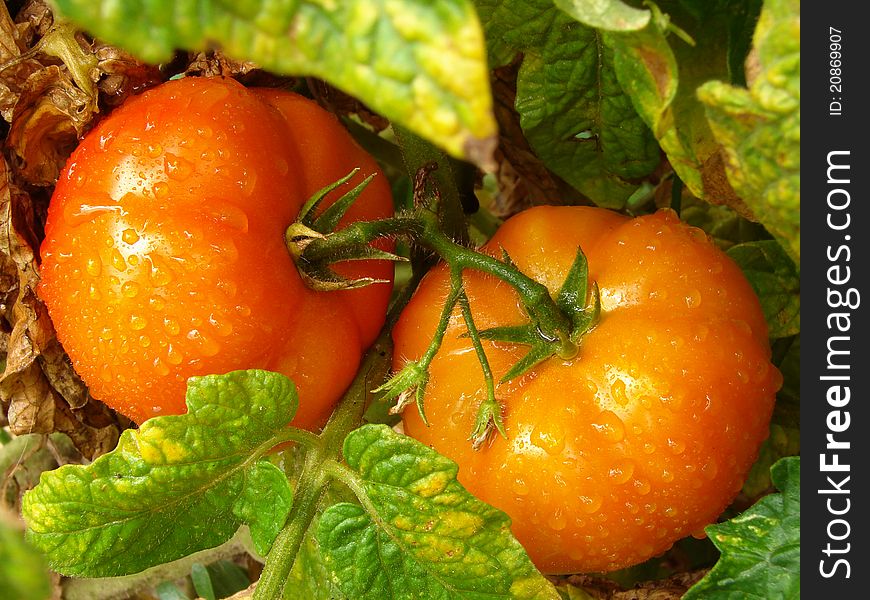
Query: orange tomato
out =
(165, 258)
(643, 438)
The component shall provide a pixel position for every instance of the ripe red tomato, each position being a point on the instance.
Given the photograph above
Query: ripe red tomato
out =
(643, 438)
(164, 254)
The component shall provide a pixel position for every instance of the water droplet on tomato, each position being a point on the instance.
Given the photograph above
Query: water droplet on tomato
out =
(221, 327)
(155, 150)
(642, 486)
(230, 215)
(670, 512)
(130, 289)
(106, 334)
(622, 471)
(590, 504)
(206, 346)
(177, 168)
(138, 322)
(161, 367)
(676, 446)
(610, 426)
(171, 325)
(94, 266)
(710, 469)
(520, 487)
(244, 310)
(144, 341)
(129, 236)
(118, 261)
(94, 292)
(557, 520)
(667, 476)
(156, 303)
(649, 448)
(173, 356)
(617, 391)
(650, 507)
(693, 299)
(160, 273)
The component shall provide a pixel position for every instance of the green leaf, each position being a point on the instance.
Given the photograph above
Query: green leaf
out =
(201, 579)
(419, 533)
(761, 547)
(759, 127)
(419, 62)
(175, 486)
(573, 111)
(310, 578)
(227, 578)
(23, 572)
(611, 15)
(661, 73)
(264, 504)
(776, 281)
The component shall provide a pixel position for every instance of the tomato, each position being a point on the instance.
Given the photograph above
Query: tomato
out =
(164, 254)
(643, 438)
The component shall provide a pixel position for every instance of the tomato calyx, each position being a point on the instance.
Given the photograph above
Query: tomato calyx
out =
(310, 226)
(556, 323)
(572, 300)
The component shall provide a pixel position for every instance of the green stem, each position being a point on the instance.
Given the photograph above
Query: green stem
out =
(313, 483)
(423, 228)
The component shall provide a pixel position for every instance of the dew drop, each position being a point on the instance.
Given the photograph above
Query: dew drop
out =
(617, 390)
(154, 150)
(230, 215)
(160, 273)
(156, 303)
(94, 292)
(160, 367)
(172, 327)
(106, 334)
(130, 289)
(642, 486)
(160, 189)
(118, 261)
(650, 507)
(207, 346)
(557, 520)
(94, 266)
(177, 168)
(244, 310)
(144, 341)
(223, 328)
(138, 323)
(621, 471)
(710, 469)
(590, 504)
(649, 448)
(129, 236)
(173, 356)
(693, 299)
(520, 487)
(610, 426)
(676, 446)
(670, 512)
(552, 439)
(667, 476)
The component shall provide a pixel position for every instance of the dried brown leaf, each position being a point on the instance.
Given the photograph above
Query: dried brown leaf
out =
(14, 68)
(600, 588)
(216, 64)
(38, 388)
(122, 75)
(339, 103)
(718, 189)
(51, 115)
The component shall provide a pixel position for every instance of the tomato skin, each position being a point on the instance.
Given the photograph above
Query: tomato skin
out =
(643, 438)
(164, 254)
